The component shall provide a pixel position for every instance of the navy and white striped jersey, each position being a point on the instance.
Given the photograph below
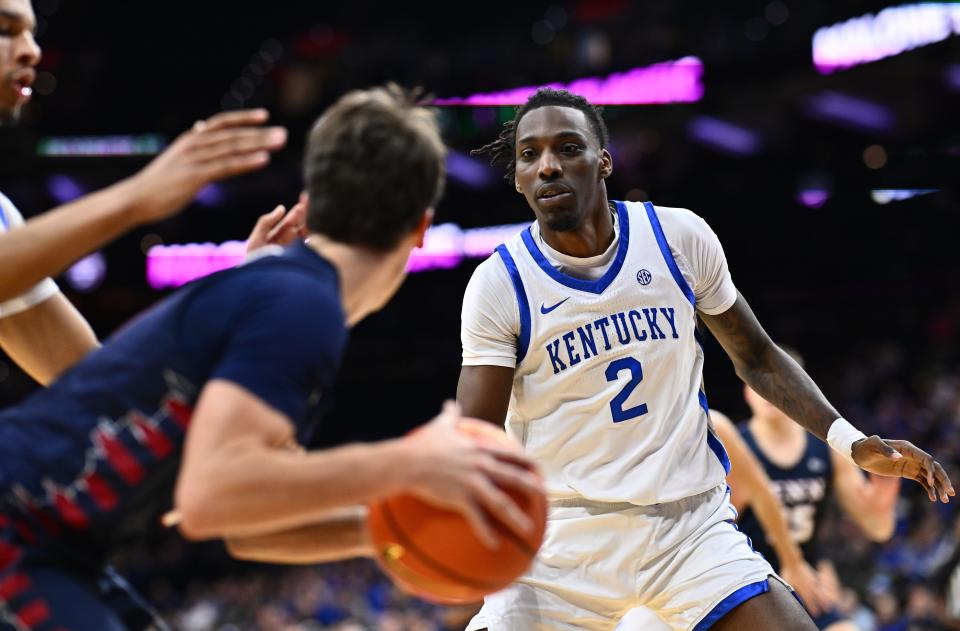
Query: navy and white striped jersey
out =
(92, 459)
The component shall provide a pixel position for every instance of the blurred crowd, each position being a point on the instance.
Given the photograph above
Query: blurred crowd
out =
(345, 596)
(901, 585)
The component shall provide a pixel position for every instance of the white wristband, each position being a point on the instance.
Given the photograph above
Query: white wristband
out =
(841, 437)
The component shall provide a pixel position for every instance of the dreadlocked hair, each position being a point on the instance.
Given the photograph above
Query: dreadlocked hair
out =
(504, 148)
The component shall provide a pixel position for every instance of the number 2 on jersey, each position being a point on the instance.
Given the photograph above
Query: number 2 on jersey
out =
(636, 376)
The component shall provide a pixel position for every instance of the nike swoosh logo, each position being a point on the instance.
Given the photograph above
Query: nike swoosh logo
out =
(545, 309)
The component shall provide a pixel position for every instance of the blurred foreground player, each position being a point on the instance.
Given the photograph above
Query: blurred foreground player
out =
(200, 403)
(39, 328)
(579, 335)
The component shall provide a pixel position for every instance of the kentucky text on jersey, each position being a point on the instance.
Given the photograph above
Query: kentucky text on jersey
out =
(622, 328)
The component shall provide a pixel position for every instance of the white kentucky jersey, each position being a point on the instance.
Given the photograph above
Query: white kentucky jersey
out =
(607, 393)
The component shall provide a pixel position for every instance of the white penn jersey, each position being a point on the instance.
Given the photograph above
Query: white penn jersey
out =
(607, 393)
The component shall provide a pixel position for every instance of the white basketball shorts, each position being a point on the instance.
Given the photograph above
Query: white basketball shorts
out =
(685, 561)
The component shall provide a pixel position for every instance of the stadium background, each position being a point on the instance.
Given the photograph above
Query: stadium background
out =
(865, 290)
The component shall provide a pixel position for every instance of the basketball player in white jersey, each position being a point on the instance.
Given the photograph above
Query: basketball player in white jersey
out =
(579, 334)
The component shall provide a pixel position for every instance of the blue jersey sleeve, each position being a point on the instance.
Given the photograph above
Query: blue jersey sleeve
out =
(285, 343)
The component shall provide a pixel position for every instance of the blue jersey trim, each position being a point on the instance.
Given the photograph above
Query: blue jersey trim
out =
(592, 286)
(736, 514)
(727, 605)
(699, 339)
(3, 218)
(712, 441)
(733, 522)
(667, 255)
(702, 398)
(717, 448)
(522, 302)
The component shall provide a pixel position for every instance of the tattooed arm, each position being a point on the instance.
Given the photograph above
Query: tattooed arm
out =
(781, 381)
(768, 370)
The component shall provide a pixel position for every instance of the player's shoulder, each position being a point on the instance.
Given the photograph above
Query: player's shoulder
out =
(295, 265)
(680, 220)
(300, 303)
(683, 227)
(490, 274)
(490, 292)
(290, 286)
(6, 202)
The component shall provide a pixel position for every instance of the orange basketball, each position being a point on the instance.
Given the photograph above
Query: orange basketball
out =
(433, 553)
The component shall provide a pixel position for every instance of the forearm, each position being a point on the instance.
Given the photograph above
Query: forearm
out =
(483, 392)
(47, 339)
(48, 244)
(768, 370)
(780, 380)
(342, 535)
(248, 489)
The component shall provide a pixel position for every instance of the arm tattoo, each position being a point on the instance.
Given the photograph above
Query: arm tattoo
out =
(773, 374)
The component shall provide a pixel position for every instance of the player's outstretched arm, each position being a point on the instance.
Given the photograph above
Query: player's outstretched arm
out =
(225, 145)
(52, 336)
(342, 535)
(749, 484)
(776, 377)
(239, 478)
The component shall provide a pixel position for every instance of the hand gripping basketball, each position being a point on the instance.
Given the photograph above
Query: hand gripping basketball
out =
(470, 526)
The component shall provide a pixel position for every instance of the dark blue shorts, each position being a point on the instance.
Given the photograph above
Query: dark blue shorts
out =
(40, 593)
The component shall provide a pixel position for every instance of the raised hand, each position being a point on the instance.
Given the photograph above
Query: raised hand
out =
(454, 469)
(279, 226)
(224, 145)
